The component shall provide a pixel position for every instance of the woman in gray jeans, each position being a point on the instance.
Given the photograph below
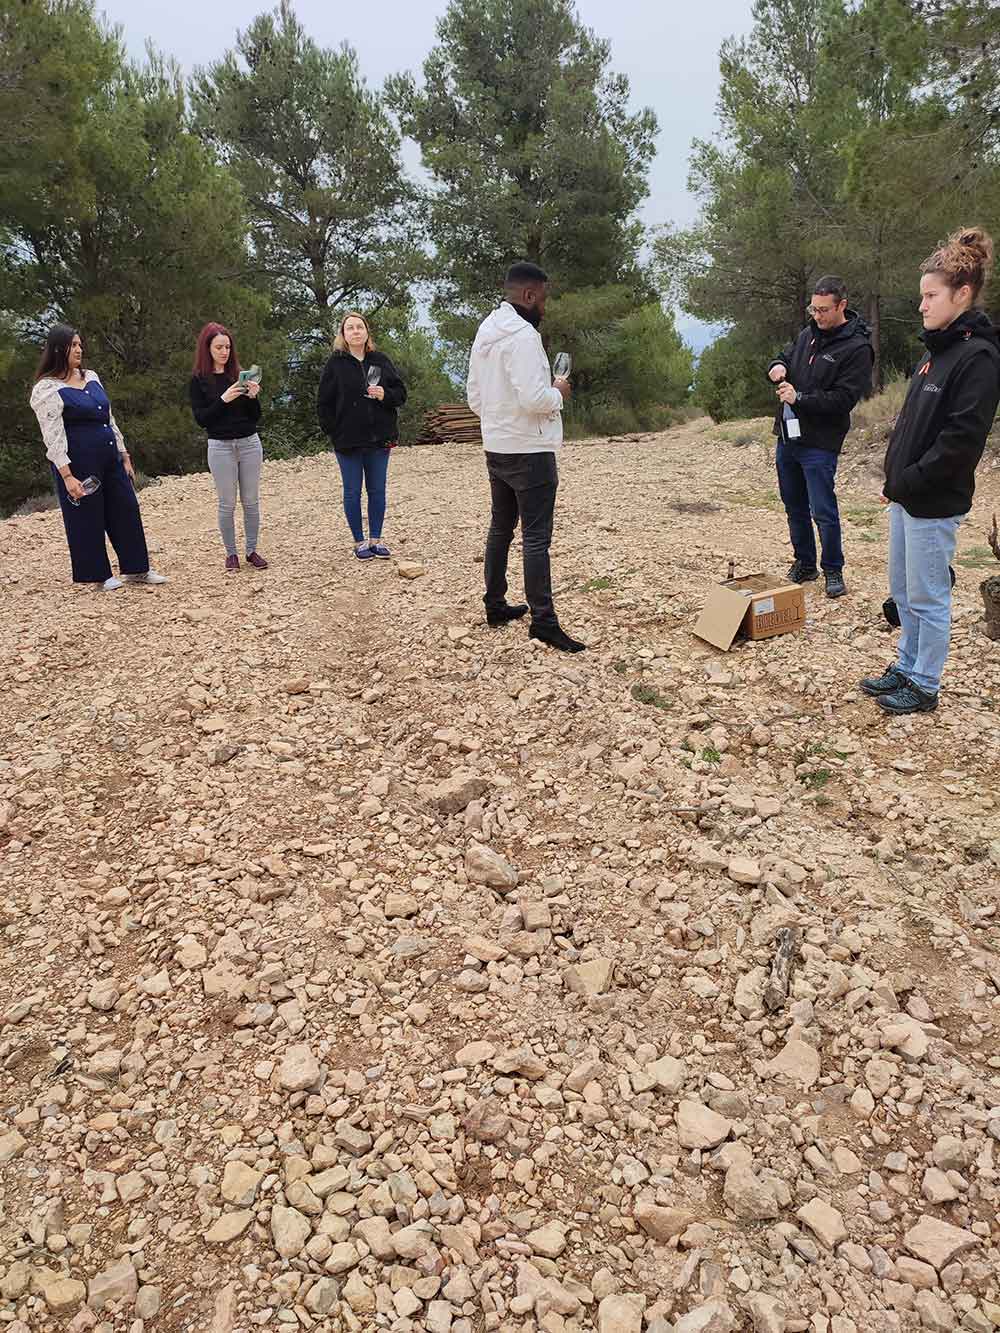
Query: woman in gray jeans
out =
(230, 412)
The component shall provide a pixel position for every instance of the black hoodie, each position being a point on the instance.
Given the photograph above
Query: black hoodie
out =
(830, 370)
(940, 434)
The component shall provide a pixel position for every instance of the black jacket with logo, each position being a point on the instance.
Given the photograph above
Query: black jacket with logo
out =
(830, 371)
(940, 433)
(350, 418)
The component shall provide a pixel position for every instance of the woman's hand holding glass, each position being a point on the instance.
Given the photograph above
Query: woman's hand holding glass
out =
(375, 389)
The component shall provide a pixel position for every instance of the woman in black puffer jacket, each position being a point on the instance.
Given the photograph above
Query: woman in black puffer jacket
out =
(359, 395)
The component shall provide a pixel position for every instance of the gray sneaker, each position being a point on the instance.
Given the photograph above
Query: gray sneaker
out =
(891, 679)
(800, 573)
(835, 585)
(909, 698)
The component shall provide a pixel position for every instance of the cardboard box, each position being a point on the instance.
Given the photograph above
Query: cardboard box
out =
(757, 606)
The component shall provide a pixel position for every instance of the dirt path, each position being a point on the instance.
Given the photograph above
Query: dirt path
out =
(273, 1054)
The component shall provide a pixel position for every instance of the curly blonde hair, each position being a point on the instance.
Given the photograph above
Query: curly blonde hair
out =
(340, 342)
(966, 257)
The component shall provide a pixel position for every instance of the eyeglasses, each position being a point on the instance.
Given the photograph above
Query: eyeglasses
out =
(821, 309)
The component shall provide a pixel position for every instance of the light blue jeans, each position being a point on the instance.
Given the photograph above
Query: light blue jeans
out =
(232, 463)
(920, 553)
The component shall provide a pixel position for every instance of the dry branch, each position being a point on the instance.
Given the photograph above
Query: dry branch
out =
(781, 969)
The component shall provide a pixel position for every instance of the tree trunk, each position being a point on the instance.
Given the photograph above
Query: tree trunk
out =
(320, 291)
(313, 251)
(803, 295)
(534, 245)
(875, 320)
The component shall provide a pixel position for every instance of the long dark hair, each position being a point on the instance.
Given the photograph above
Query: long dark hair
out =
(203, 364)
(55, 354)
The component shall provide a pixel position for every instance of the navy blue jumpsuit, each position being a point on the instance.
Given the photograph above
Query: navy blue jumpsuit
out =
(114, 508)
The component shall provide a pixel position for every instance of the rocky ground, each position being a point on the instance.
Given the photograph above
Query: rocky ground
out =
(364, 968)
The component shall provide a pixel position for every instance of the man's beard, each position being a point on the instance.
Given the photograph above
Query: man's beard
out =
(531, 313)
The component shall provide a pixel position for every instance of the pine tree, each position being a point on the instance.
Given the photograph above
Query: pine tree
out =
(333, 221)
(533, 151)
(138, 242)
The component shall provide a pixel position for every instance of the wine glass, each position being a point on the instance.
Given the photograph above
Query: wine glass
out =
(374, 376)
(89, 485)
(562, 365)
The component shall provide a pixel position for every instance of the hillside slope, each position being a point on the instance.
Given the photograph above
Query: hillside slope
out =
(273, 1055)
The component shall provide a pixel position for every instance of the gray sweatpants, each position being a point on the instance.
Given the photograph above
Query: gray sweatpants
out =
(231, 462)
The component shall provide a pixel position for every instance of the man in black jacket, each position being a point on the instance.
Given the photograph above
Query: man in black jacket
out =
(820, 377)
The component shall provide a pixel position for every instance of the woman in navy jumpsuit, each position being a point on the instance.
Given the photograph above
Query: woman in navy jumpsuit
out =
(82, 440)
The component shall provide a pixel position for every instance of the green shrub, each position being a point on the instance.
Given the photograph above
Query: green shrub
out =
(37, 504)
(882, 408)
(292, 426)
(731, 378)
(631, 368)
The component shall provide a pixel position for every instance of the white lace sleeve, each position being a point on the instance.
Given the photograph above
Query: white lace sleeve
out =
(47, 404)
(119, 437)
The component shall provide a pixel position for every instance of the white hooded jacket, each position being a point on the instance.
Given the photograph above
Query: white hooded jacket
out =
(510, 387)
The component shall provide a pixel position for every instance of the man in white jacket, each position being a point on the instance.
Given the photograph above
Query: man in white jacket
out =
(510, 389)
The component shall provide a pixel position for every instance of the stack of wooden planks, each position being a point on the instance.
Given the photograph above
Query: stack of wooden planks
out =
(451, 423)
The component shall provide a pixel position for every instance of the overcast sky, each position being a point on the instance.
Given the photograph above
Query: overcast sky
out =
(669, 52)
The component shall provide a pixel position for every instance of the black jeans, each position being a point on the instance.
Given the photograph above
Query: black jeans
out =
(523, 486)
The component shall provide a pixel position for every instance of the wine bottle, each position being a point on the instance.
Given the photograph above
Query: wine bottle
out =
(793, 430)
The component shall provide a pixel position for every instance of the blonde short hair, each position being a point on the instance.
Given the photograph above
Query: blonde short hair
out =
(340, 342)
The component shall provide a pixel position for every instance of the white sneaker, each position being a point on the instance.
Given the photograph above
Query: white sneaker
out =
(111, 584)
(150, 576)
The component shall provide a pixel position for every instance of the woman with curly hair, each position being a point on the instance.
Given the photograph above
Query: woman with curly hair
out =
(930, 464)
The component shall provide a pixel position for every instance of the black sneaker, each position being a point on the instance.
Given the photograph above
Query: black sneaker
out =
(800, 573)
(835, 585)
(506, 614)
(556, 637)
(891, 679)
(909, 698)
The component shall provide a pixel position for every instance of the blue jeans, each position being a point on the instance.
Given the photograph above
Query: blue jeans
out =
(806, 481)
(920, 553)
(371, 466)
